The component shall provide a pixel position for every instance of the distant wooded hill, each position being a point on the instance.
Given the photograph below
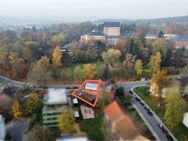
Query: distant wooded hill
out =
(158, 21)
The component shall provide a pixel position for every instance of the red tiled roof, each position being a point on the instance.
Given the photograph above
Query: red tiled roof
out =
(127, 128)
(113, 111)
(123, 123)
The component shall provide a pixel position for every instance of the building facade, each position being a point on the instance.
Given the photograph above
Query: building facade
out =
(112, 29)
(92, 37)
(111, 34)
(54, 102)
(182, 41)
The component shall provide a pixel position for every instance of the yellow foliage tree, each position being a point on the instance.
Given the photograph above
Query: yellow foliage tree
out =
(42, 64)
(57, 40)
(175, 108)
(111, 57)
(16, 110)
(155, 62)
(138, 67)
(56, 56)
(158, 82)
(66, 122)
(89, 71)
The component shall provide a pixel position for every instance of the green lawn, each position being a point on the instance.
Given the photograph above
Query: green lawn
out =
(65, 74)
(94, 128)
(180, 131)
(72, 66)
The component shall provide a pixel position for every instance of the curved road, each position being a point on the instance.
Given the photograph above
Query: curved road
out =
(151, 121)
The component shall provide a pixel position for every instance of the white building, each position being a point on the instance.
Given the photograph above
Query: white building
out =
(54, 101)
(166, 36)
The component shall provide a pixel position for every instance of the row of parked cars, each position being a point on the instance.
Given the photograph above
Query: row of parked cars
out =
(163, 129)
(141, 103)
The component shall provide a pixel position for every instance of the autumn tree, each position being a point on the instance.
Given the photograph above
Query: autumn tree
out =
(175, 108)
(111, 57)
(26, 54)
(66, 122)
(16, 110)
(31, 44)
(78, 75)
(39, 73)
(91, 55)
(129, 64)
(106, 74)
(123, 45)
(40, 133)
(4, 60)
(57, 40)
(17, 65)
(56, 56)
(158, 82)
(154, 63)
(89, 71)
(138, 67)
(32, 104)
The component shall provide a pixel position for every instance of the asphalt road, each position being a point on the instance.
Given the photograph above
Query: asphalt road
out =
(151, 121)
(17, 129)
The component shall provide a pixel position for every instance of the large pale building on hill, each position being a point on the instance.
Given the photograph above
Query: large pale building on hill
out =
(111, 29)
(93, 36)
(111, 34)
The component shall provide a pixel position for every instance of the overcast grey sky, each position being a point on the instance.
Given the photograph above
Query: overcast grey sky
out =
(94, 9)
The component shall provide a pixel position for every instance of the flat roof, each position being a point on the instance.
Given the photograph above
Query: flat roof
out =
(91, 86)
(56, 96)
(111, 24)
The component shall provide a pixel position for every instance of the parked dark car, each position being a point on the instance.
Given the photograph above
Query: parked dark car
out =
(146, 108)
(142, 103)
(150, 113)
(131, 92)
(137, 99)
(126, 103)
(163, 128)
(169, 137)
